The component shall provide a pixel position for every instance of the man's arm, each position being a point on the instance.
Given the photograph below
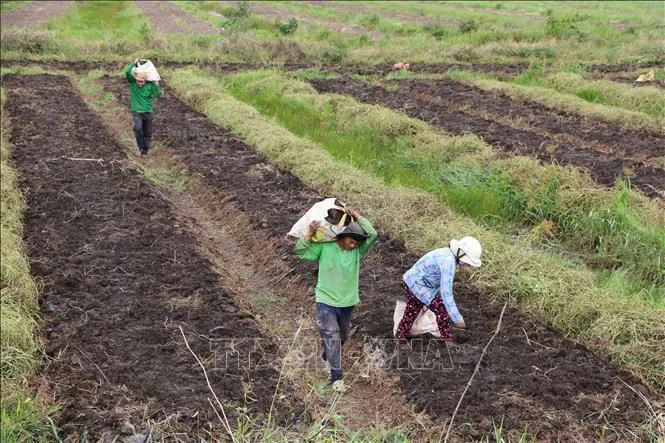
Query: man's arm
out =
(156, 90)
(446, 290)
(308, 250)
(371, 234)
(128, 72)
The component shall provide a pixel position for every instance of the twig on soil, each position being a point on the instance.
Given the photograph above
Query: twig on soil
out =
(475, 370)
(225, 422)
(529, 341)
(284, 275)
(100, 371)
(81, 159)
(639, 394)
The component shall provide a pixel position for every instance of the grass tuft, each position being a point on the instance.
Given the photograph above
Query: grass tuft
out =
(22, 418)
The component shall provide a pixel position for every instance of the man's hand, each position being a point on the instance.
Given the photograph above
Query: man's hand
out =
(460, 324)
(311, 230)
(352, 212)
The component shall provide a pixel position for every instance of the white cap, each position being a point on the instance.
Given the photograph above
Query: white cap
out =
(468, 250)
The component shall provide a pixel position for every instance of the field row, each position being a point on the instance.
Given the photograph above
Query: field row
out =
(237, 181)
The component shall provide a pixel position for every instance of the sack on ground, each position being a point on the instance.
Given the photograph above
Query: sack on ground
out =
(330, 213)
(146, 67)
(425, 322)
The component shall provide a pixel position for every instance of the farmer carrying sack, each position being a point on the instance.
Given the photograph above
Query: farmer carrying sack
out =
(331, 213)
(146, 67)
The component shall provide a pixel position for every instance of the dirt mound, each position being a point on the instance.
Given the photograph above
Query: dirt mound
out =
(34, 14)
(531, 377)
(121, 276)
(169, 18)
(606, 151)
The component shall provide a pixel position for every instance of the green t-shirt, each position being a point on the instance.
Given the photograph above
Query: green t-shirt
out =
(338, 269)
(140, 98)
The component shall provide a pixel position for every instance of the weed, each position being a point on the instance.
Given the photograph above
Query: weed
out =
(334, 55)
(145, 32)
(287, 28)
(565, 26)
(467, 26)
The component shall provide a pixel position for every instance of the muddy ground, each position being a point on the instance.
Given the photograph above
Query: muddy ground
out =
(34, 14)
(521, 127)
(531, 377)
(166, 18)
(121, 277)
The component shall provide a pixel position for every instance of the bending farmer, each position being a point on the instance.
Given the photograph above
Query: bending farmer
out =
(141, 95)
(430, 283)
(337, 286)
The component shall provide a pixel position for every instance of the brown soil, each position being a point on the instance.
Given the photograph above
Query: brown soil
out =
(613, 69)
(531, 376)
(169, 18)
(34, 14)
(275, 13)
(121, 276)
(606, 151)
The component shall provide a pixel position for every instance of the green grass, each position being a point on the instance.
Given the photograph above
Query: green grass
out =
(100, 21)
(608, 232)
(649, 100)
(23, 418)
(9, 6)
(626, 330)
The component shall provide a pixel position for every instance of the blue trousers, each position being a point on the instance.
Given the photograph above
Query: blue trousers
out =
(334, 324)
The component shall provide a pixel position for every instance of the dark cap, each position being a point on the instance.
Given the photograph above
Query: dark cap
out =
(355, 231)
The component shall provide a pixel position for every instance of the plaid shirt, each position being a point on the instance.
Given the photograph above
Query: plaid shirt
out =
(434, 273)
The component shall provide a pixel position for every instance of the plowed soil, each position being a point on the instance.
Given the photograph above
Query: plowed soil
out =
(34, 14)
(121, 277)
(531, 377)
(605, 151)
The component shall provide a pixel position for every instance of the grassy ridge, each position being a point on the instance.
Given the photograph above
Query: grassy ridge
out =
(650, 100)
(23, 418)
(626, 330)
(610, 229)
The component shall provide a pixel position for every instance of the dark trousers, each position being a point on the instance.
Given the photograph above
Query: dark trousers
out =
(333, 326)
(142, 126)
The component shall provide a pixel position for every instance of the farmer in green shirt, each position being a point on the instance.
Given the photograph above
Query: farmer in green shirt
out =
(141, 95)
(337, 286)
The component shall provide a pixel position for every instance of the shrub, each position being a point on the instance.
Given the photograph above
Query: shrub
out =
(565, 27)
(467, 26)
(287, 28)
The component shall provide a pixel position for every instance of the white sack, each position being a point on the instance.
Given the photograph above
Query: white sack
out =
(425, 322)
(149, 70)
(318, 212)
